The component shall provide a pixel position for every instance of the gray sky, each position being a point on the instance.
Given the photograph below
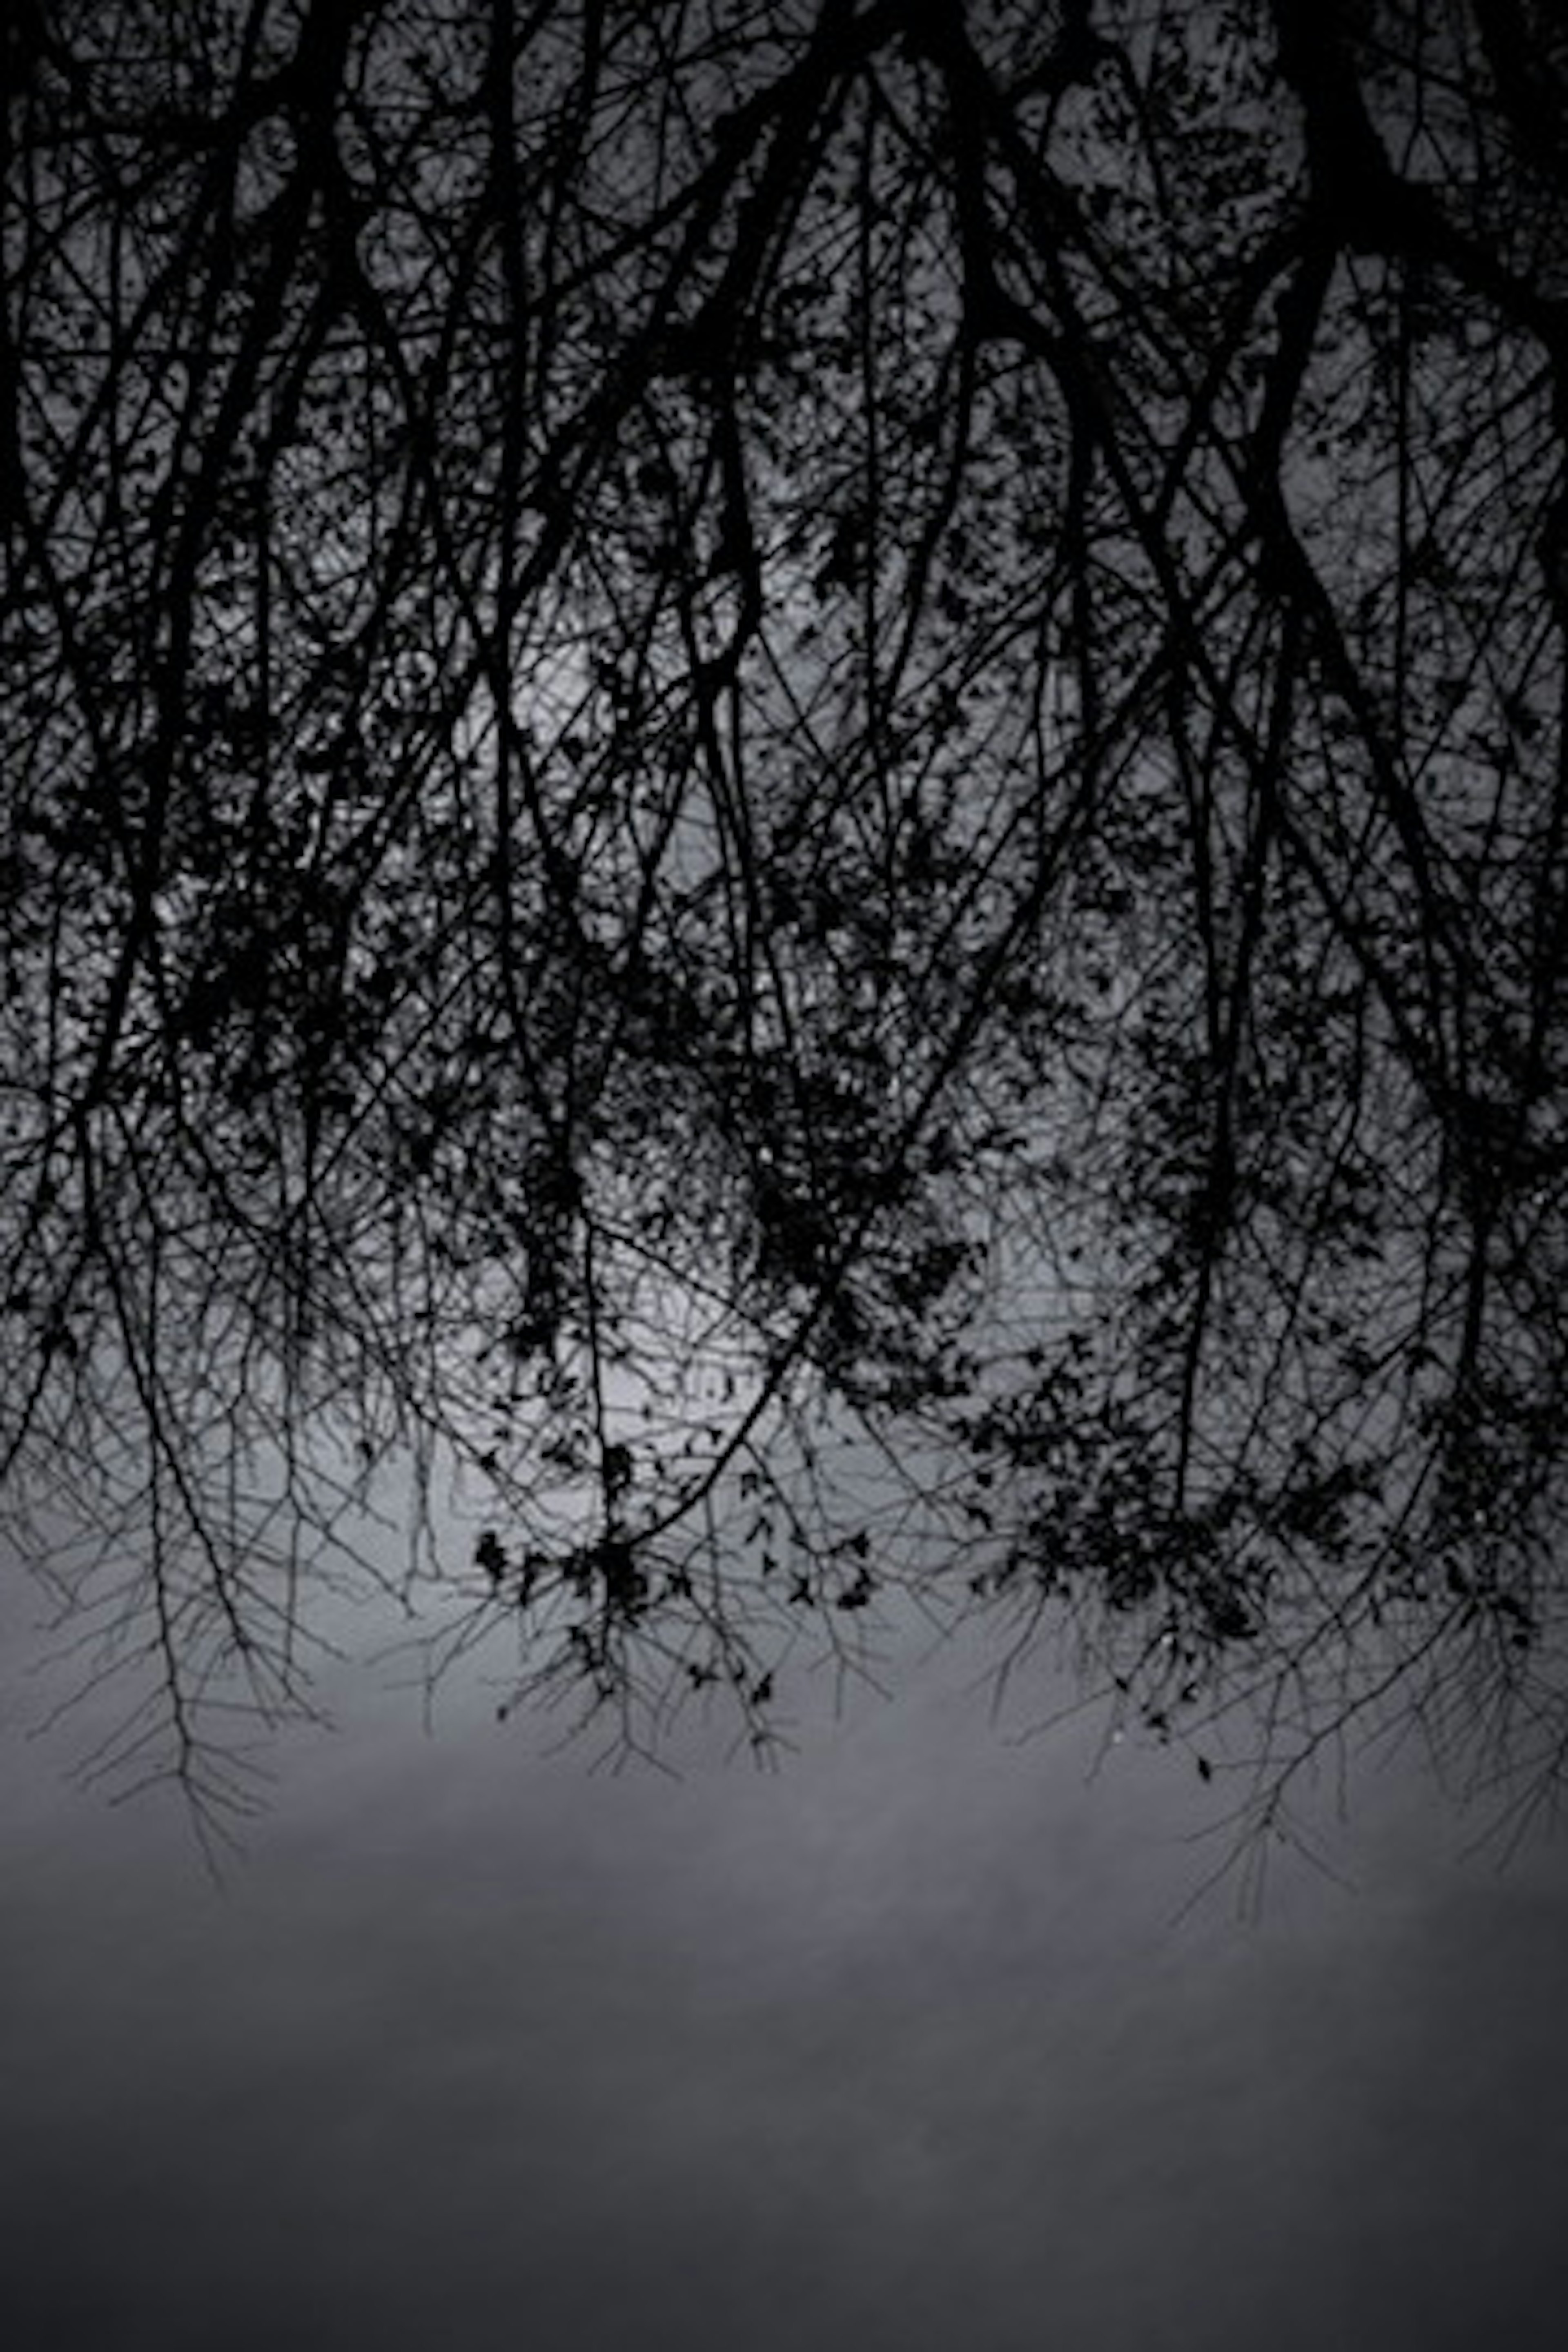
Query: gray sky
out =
(904, 2045)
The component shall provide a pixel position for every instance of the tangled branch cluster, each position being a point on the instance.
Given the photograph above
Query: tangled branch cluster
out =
(743, 726)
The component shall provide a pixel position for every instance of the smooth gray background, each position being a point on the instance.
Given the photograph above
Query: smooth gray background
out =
(905, 2045)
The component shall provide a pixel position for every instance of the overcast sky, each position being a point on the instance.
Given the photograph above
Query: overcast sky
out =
(904, 2045)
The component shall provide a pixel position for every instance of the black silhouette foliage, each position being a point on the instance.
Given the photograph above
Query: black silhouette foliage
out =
(790, 774)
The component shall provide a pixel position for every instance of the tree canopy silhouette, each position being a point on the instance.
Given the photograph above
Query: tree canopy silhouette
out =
(790, 774)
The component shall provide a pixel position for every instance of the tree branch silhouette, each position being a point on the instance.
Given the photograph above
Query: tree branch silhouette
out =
(789, 779)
